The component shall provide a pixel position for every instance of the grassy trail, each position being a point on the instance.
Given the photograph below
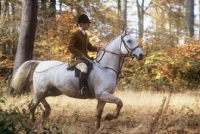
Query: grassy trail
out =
(142, 113)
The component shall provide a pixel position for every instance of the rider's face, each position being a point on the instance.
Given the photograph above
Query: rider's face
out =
(85, 26)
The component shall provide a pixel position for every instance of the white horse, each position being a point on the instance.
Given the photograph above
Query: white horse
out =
(51, 78)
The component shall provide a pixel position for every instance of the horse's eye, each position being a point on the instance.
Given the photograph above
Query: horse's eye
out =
(129, 41)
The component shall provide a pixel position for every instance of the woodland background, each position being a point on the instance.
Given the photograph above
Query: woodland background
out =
(168, 31)
(167, 64)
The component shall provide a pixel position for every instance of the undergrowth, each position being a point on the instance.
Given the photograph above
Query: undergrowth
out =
(165, 120)
(176, 68)
(13, 121)
(186, 119)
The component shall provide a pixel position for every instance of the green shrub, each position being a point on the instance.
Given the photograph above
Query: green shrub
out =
(13, 121)
(177, 68)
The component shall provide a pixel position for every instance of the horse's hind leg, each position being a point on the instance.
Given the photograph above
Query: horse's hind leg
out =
(99, 111)
(109, 98)
(38, 96)
(47, 109)
(32, 108)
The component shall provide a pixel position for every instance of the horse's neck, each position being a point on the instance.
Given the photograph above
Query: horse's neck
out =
(112, 60)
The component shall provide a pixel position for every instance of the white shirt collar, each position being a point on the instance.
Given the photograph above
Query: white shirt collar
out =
(82, 30)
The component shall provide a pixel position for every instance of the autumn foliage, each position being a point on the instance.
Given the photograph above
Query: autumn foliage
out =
(162, 69)
(176, 68)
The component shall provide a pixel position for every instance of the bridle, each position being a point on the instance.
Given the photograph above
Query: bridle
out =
(122, 56)
(129, 50)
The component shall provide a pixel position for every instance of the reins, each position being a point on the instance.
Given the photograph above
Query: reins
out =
(103, 49)
(49, 68)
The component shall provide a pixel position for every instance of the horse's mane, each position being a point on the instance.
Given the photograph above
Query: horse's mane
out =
(108, 43)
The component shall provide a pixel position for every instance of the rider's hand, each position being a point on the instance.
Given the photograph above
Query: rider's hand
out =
(98, 49)
(83, 57)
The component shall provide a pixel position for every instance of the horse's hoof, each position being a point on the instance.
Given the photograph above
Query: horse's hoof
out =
(109, 117)
(45, 115)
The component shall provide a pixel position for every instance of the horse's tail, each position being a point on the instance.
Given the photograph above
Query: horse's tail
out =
(20, 76)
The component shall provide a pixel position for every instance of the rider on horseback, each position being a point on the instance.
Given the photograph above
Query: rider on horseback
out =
(79, 46)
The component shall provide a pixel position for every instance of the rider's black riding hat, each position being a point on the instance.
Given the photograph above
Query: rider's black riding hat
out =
(83, 19)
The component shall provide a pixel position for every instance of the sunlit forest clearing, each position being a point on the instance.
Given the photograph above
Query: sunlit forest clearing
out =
(160, 93)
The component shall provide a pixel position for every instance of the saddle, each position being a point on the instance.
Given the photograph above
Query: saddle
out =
(77, 71)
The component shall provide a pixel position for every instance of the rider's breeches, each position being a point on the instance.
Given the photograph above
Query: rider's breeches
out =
(82, 76)
(82, 67)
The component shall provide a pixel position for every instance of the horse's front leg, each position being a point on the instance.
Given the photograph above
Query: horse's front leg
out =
(99, 112)
(109, 98)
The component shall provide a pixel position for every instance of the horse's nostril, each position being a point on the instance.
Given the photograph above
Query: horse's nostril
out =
(141, 56)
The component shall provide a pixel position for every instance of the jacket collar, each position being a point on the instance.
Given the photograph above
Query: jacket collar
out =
(80, 32)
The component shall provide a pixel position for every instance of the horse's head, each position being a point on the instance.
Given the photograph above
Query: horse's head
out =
(129, 47)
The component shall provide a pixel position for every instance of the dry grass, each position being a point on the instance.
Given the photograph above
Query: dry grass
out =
(142, 113)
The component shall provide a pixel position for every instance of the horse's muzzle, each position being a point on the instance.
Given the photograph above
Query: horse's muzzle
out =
(140, 57)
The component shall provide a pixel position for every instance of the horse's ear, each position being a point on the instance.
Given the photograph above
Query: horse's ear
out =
(126, 31)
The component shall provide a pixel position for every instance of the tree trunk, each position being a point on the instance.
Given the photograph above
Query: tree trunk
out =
(0, 7)
(53, 4)
(27, 32)
(52, 8)
(124, 14)
(178, 24)
(60, 6)
(4, 19)
(13, 28)
(141, 10)
(119, 7)
(140, 20)
(190, 17)
(5, 8)
(199, 19)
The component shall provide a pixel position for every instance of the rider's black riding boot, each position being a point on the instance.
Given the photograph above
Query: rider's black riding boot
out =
(83, 83)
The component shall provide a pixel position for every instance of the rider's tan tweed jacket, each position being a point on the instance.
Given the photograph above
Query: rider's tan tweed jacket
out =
(78, 45)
